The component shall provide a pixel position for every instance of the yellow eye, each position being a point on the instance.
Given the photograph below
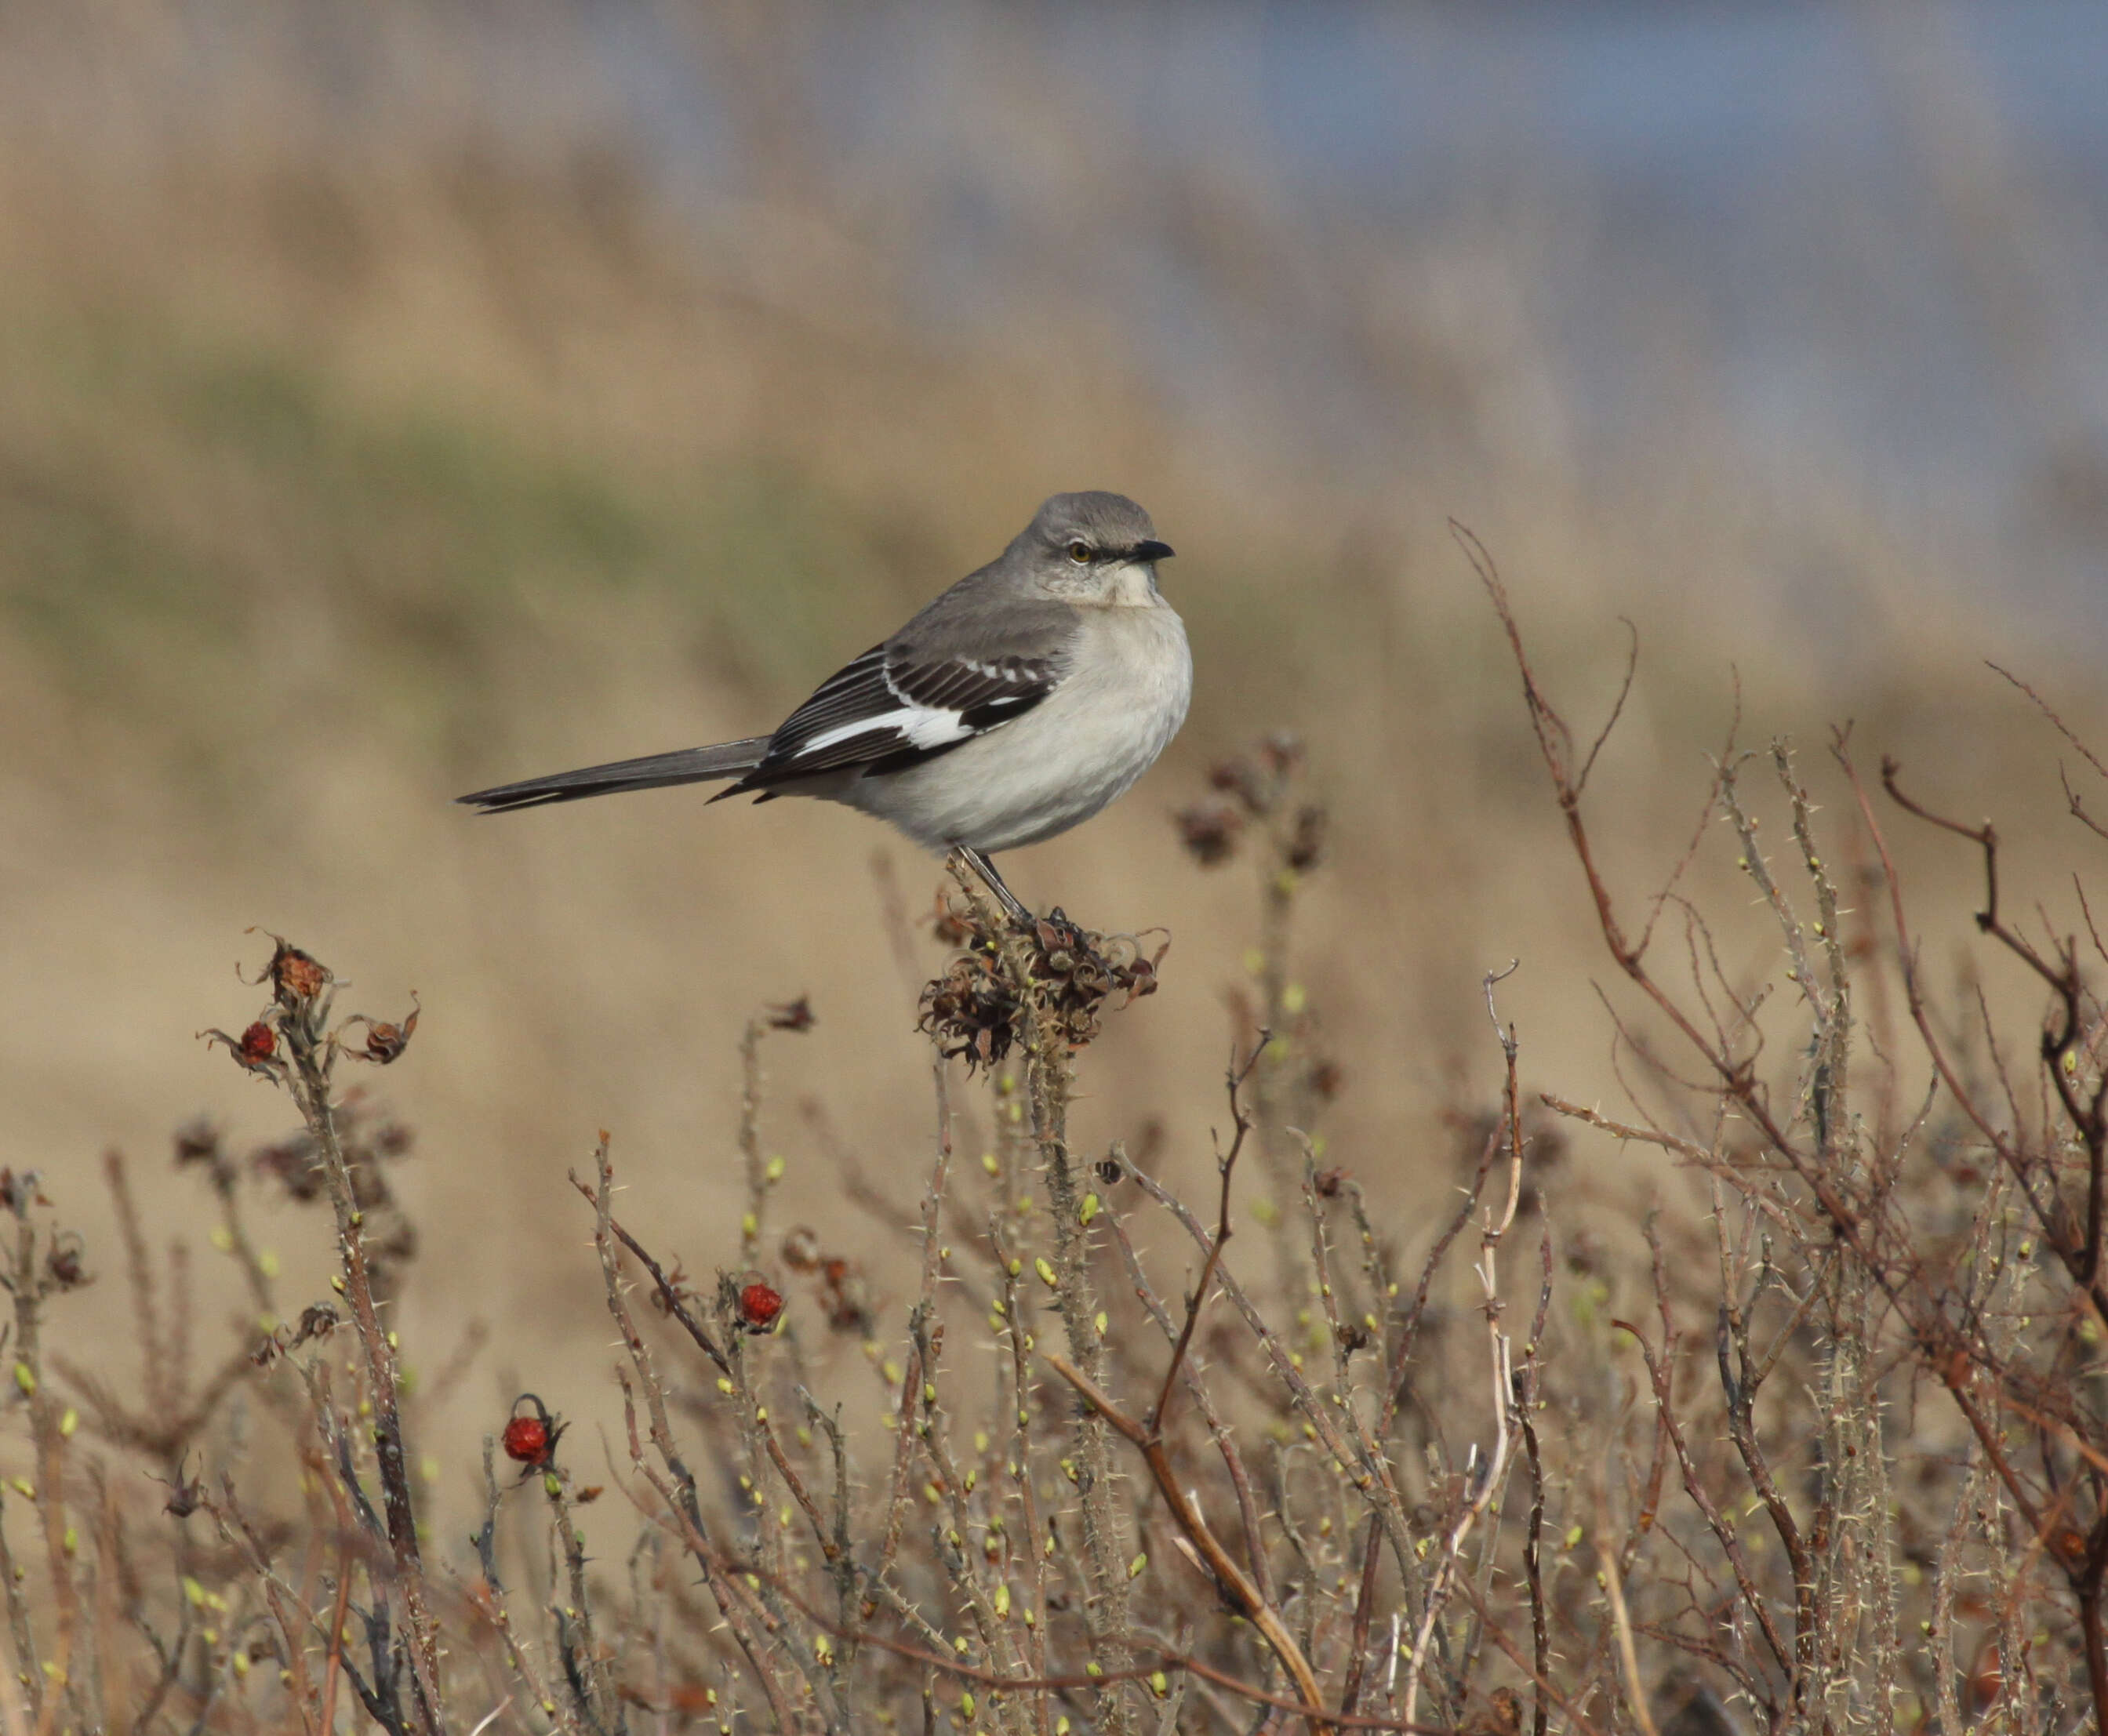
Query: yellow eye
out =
(1080, 552)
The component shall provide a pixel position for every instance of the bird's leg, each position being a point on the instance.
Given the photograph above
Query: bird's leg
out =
(1004, 895)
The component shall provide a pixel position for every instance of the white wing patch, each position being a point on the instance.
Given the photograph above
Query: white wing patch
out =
(922, 726)
(874, 716)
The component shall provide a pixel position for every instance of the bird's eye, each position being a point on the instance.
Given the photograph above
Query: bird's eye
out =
(1079, 551)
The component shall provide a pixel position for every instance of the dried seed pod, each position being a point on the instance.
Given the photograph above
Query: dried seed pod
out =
(186, 1494)
(974, 1010)
(298, 979)
(1306, 843)
(801, 1249)
(384, 1042)
(64, 1261)
(1210, 831)
(793, 1015)
(971, 1011)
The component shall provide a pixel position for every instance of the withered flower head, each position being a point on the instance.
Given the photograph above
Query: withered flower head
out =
(970, 1010)
(317, 1321)
(297, 978)
(1210, 831)
(801, 1250)
(1503, 1716)
(974, 1010)
(677, 1281)
(1306, 844)
(795, 1015)
(64, 1260)
(384, 1042)
(197, 1142)
(954, 927)
(18, 1192)
(1080, 971)
(846, 1297)
(1281, 752)
(185, 1494)
(255, 1051)
(392, 1139)
(1259, 781)
(1240, 778)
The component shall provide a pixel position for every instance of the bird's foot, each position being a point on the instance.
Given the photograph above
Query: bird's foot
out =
(984, 871)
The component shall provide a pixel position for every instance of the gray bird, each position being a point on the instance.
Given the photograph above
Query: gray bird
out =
(1017, 704)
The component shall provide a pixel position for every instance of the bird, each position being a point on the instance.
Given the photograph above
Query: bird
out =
(1017, 704)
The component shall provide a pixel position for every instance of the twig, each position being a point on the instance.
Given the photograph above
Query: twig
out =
(677, 1485)
(1495, 1472)
(303, 1016)
(1225, 1165)
(1636, 1697)
(1230, 1579)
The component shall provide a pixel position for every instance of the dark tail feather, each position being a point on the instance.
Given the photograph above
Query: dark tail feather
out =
(654, 771)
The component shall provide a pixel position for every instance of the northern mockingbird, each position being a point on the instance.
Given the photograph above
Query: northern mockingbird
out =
(1016, 705)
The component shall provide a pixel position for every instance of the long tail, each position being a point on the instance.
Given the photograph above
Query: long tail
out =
(654, 771)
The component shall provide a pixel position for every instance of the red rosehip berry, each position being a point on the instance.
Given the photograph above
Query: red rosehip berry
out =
(759, 1306)
(531, 1440)
(259, 1042)
(527, 1440)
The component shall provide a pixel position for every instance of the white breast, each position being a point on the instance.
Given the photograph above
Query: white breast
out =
(1125, 696)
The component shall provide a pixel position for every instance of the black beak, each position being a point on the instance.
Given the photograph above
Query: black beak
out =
(1152, 550)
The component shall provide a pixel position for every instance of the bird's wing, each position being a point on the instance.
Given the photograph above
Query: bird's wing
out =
(908, 701)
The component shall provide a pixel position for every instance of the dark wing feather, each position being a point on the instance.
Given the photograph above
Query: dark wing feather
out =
(855, 691)
(890, 709)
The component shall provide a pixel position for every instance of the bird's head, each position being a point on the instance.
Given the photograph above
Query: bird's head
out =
(1092, 549)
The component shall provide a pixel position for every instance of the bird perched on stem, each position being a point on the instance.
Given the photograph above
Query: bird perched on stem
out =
(1016, 705)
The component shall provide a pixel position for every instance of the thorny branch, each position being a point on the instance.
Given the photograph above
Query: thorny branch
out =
(1859, 1205)
(1489, 1479)
(1902, 1418)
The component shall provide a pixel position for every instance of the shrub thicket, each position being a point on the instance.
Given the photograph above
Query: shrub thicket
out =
(1324, 1467)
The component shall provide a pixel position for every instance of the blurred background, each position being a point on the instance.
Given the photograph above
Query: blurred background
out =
(399, 400)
